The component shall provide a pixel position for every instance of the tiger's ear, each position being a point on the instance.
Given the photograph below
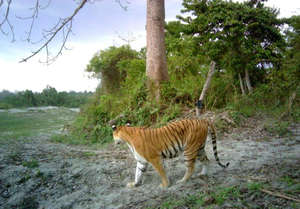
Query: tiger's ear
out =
(114, 127)
(128, 124)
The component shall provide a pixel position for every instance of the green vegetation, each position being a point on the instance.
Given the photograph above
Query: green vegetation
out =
(205, 199)
(257, 71)
(278, 127)
(22, 125)
(49, 96)
(31, 164)
(240, 196)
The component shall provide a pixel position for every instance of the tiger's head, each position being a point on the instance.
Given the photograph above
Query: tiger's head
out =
(116, 134)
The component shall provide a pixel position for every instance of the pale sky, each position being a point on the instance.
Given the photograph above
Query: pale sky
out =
(96, 27)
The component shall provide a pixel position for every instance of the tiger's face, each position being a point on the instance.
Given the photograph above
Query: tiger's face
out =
(116, 131)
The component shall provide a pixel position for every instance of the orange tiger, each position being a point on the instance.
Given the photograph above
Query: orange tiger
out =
(150, 145)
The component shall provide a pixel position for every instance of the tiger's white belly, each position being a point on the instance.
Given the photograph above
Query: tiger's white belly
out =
(137, 156)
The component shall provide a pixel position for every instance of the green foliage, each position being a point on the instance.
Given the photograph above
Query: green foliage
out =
(67, 139)
(5, 106)
(255, 186)
(31, 163)
(109, 65)
(24, 125)
(289, 181)
(190, 201)
(277, 127)
(238, 36)
(223, 194)
(49, 96)
(292, 61)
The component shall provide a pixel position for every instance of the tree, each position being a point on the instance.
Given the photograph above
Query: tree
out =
(156, 57)
(29, 98)
(156, 61)
(240, 37)
(292, 55)
(107, 66)
(49, 96)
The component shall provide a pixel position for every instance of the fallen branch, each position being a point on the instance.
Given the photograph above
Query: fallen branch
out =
(277, 194)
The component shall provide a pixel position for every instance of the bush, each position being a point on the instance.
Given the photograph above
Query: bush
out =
(5, 106)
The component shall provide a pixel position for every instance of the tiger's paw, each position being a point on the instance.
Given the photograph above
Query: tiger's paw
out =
(131, 184)
(164, 185)
(181, 181)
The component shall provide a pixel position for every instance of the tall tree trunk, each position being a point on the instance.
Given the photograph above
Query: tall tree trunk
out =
(248, 82)
(156, 61)
(199, 105)
(242, 84)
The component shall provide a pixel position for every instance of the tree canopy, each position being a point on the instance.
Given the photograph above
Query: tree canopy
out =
(240, 37)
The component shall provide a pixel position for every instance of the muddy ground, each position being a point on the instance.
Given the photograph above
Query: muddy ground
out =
(35, 173)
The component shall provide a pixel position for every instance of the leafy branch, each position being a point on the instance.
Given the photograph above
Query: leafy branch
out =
(63, 26)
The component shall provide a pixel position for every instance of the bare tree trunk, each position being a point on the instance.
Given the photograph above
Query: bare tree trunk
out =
(242, 84)
(248, 82)
(199, 105)
(291, 100)
(156, 61)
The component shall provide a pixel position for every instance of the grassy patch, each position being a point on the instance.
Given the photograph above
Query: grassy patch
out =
(25, 124)
(235, 196)
(223, 194)
(254, 186)
(88, 154)
(288, 180)
(246, 195)
(31, 164)
(66, 139)
(279, 128)
(190, 201)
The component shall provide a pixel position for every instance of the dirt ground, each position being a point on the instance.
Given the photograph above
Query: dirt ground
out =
(36, 173)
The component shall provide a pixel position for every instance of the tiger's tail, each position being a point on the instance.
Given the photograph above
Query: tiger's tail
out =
(214, 142)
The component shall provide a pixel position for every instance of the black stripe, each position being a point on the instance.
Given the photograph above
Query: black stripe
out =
(165, 137)
(150, 134)
(175, 138)
(142, 169)
(170, 153)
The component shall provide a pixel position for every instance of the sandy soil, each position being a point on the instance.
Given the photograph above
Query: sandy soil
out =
(39, 174)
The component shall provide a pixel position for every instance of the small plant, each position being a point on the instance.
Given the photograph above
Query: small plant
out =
(279, 128)
(236, 116)
(255, 186)
(223, 194)
(15, 157)
(190, 201)
(24, 179)
(290, 181)
(31, 164)
(171, 203)
(88, 154)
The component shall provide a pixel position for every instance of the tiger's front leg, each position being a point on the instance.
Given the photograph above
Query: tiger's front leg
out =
(140, 169)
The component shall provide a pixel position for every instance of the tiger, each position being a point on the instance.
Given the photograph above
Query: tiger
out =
(151, 145)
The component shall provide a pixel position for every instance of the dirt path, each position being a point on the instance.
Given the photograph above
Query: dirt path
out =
(40, 174)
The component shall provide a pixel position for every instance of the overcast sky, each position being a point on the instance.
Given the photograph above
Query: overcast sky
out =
(96, 27)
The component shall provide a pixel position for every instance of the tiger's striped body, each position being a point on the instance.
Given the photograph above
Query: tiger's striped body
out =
(150, 145)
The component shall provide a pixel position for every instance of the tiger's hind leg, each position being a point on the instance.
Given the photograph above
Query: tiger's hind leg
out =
(157, 164)
(204, 160)
(190, 165)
